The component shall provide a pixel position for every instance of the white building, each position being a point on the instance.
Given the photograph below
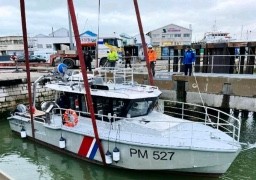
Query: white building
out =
(39, 44)
(171, 35)
(11, 44)
(49, 44)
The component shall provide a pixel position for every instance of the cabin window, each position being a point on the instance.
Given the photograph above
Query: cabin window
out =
(119, 107)
(141, 107)
(68, 100)
(105, 105)
(63, 100)
(83, 104)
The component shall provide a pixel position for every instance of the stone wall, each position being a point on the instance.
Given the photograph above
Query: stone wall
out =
(12, 95)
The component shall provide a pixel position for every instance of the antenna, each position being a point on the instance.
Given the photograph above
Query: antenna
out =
(242, 31)
(214, 27)
(71, 47)
(85, 24)
(52, 32)
(97, 40)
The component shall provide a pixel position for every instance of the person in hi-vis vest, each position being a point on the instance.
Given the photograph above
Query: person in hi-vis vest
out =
(152, 58)
(112, 58)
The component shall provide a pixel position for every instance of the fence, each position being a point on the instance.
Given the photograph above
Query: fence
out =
(230, 64)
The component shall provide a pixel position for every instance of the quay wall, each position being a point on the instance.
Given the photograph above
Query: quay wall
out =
(229, 92)
(219, 91)
(14, 91)
(11, 96)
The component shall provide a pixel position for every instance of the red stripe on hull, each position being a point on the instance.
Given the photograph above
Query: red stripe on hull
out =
(85, 146)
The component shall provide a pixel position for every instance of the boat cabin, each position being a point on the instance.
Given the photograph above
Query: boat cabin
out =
(104, 106)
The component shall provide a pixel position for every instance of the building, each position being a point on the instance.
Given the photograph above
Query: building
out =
(171, 35)
(11, 44)
(42, 44)
(48, 44)
(39, 45)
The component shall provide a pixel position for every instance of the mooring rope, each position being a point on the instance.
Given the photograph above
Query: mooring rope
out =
(197, 86)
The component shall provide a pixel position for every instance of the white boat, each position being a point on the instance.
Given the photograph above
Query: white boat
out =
(217, 37)
(133, 132)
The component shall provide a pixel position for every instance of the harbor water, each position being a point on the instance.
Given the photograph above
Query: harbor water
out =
(22, 159)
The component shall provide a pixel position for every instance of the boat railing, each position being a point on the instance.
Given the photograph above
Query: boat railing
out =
(73, 77)
(114, 75)
(188, 137)
(174, 133)
(101, 117)
(209, 116)
(230, 64)
(195, 114)
(28, 116)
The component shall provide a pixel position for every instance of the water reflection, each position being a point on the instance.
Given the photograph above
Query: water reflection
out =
(23, 159)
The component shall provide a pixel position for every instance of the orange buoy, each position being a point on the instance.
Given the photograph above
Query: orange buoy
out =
(70, 118)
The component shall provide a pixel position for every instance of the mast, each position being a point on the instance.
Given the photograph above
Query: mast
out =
(150, 75)
(25, 42)
(85, 78)
(71, 47)
(97, 40)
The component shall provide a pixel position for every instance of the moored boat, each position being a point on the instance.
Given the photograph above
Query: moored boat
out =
(217, 37)
(134, 132)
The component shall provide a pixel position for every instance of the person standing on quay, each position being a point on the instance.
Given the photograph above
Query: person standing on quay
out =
(112, 58)
(152, 58)
(15, 59)
(128, 59)
(88, 60)
(188, 60)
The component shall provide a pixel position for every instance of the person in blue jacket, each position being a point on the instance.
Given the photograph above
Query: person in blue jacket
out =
(188, 60)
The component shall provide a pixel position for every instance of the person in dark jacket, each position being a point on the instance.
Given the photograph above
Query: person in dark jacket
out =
(188, 60)
(128, 59)
(88, 60)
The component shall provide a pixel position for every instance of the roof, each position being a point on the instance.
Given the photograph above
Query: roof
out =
(62, 32)
(40, 35)
(88, 33)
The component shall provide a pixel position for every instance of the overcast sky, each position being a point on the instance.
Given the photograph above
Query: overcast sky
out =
(234, 16)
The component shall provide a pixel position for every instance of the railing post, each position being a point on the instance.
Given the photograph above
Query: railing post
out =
(182, 115)
(212, 64)
(218, 121)
(239, 63)
(206, 115)
(169, 64)
(233, 134)
(132, 76)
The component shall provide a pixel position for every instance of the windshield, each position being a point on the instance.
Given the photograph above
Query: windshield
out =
(141, 107)
(110, 41)
(119, 43)
(113, 42)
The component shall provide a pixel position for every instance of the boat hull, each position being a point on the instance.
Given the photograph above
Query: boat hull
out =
(132, 156)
